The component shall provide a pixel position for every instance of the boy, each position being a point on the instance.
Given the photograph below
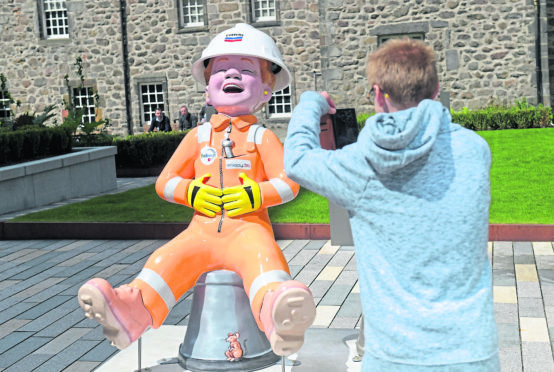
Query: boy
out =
(416, 187)
(229, 170)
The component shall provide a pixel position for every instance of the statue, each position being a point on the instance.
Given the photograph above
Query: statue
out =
(230, 170)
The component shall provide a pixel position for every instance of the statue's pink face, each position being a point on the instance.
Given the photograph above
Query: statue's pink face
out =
(235, 87)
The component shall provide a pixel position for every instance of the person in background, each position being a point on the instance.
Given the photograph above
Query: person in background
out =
(206, 113)
(417, 190)
(159, 122)
(186, 119)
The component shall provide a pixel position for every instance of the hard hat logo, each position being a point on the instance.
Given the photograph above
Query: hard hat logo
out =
(244, 40)
(232, 38)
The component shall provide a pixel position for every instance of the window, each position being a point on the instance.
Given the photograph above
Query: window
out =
(55, 23)
(84, 98)
(191, 13)
(280, 104)
(4, 106)
(152, 97)
(414, 30)
(384, 38)
(264, 10)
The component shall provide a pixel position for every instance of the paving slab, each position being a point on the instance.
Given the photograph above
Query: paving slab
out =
(41, 325)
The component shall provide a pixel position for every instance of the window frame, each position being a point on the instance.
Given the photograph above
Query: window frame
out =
(165, 107)
(5, 105)
(89, 115)
(281, 115)
(400, 29)
(264, 21)
(185, 27)
(412, 35)
(43, 20)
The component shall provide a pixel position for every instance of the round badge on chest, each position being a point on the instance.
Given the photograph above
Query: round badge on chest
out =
(208, 155)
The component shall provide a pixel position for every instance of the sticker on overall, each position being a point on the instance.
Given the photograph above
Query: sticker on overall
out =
(208, 155)
(237, 164)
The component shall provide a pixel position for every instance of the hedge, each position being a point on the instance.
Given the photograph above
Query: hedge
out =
(32, 142)
(494, 118)
(146, 150)
(150, 150)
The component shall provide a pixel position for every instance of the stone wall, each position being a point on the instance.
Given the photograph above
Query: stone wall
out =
(35, 67)
(485, 49)
(160, 51)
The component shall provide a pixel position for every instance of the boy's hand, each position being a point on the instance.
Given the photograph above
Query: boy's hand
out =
(332, 106)
(242, 199)
(204, 198)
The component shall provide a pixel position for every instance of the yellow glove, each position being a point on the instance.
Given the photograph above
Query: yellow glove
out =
(204, 198)
(242, 199)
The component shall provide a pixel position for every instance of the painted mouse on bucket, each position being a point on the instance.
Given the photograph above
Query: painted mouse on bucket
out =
(235, 352)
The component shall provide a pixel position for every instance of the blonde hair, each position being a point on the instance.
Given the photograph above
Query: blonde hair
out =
(405, 69)
(265, 70)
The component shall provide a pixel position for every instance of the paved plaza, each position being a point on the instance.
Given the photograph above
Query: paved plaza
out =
(42, 327)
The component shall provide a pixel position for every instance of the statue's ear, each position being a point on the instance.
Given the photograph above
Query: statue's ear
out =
(267, 94)
(208, 100)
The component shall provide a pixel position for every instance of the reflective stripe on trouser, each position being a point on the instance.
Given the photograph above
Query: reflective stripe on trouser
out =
(174, 268)
(154, 280)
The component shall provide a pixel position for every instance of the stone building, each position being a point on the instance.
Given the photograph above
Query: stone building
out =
(137, 53)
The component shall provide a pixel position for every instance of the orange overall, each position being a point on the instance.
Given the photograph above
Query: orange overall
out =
(244, 244)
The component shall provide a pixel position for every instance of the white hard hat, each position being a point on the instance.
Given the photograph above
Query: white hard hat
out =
(244, 40)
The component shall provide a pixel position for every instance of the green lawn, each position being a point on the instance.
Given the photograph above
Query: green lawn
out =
(522, 188)
(522, 175)
(144, 205)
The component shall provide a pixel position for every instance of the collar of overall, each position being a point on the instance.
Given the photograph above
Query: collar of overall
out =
(220, 121)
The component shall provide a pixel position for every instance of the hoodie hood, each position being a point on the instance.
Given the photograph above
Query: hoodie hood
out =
(397, 139)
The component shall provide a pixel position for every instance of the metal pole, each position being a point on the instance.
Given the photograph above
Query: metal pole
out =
(139, 353)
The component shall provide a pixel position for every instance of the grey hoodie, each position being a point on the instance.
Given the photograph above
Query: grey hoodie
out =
(417, 191)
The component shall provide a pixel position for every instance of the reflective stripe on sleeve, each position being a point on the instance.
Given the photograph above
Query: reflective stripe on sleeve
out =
(169, 189)
(154, 280)
(284, 190)
(255, 134)
(266, 278)
(204, 132)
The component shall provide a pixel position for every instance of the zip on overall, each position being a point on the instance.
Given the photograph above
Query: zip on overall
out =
(226, 152)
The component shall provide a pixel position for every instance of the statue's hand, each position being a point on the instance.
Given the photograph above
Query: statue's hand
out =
(204, 198)
(242, 199)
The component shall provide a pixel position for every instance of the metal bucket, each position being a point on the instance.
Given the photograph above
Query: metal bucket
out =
(221, 327)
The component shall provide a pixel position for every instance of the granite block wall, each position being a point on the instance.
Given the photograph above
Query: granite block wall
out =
(487, 51)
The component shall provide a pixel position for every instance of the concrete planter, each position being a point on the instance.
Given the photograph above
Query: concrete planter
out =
(85, 171)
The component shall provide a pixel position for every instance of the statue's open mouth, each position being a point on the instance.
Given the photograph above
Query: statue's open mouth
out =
(232, 88)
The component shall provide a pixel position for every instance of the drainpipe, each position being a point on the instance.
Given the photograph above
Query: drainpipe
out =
(538, 57)
(126, 70)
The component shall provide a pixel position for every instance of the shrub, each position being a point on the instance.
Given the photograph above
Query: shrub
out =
(503, 118)
(148, 150)
(23, 120)
(75, 112)
(496, 116)
(94, 139)
(519, 116)
(32, 142)
(361, 119)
